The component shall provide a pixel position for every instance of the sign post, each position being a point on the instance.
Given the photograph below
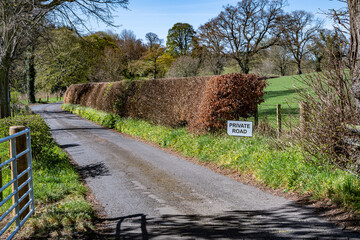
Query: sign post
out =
(240, 128)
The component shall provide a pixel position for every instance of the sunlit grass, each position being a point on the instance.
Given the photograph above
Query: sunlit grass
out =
(282, 91)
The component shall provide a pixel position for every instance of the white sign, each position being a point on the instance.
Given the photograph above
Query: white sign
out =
(240, 129)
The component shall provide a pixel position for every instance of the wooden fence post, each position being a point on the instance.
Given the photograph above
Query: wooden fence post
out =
(278, 113)
(22, 164)
(303, 116)
(256, 117)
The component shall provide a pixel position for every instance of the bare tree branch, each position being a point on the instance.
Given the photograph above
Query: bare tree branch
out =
(244, 30)
(298, 29)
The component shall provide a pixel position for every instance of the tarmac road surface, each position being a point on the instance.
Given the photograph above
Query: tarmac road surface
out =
(150, 194)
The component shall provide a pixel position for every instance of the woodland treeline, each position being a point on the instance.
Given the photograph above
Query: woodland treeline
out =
(251, 36)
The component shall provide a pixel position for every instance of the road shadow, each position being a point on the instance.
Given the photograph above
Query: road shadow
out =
(280, 93)
(78, 129)
(94, 170)
(289, 222)
(65, 146)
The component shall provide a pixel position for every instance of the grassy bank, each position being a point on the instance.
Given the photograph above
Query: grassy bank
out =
(61, 208)
(274, 166)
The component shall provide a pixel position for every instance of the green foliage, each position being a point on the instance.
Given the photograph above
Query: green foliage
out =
(14, 97)
(257, 156)
(58, 191)
(153, 56)
(40, 134)
(70, 60)
(180, 39)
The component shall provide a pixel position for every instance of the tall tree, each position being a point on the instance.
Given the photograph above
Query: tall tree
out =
(133, 50)
(22, 17)
(298, 29)
(215, 45)
(155, 51)
(72, 59)
(132, 47)
(354, 11)
(317, 47)
(336, 46)
(152, 39)
(247, 28)
(179, 39)
(281, 58)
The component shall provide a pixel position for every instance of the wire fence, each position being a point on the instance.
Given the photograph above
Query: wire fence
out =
(273, 119)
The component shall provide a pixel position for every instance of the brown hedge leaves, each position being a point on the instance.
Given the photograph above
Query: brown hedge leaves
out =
(229, 97)
(201, 103)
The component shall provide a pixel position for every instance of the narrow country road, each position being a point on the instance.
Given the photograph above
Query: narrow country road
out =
(150, 194)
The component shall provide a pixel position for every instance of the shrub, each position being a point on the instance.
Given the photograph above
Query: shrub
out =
(39, 130)
(329, 107)
(184, 66)
(227, 97)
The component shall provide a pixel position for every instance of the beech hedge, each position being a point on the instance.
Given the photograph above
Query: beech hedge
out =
(200, 103)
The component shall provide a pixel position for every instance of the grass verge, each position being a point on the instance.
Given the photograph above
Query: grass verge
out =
(261, 157)
(61, 208)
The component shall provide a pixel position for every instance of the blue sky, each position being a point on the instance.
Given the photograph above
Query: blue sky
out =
(159, 16)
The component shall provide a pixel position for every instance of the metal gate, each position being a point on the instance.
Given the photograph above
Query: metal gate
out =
(20, 213)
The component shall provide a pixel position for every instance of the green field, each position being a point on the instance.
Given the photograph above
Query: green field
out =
(282, 91)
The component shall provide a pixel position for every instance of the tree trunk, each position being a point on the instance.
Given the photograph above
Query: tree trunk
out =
(244, 65)
(30, 74)
(4, 89)
(155, 68)
(299, 71)
(318, 64)
(219, 64)
(354, 11)
(283, 71)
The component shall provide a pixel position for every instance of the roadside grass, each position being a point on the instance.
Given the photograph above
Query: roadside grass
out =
(61, 208)
(268, 162)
